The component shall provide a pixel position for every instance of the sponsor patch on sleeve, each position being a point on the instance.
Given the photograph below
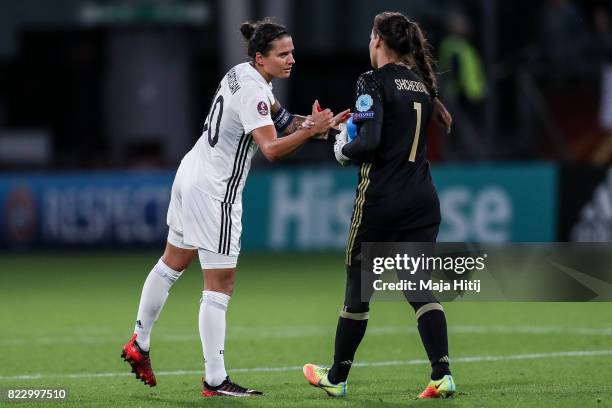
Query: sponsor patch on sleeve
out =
(262, 108)
(364, 103)
(361, 116)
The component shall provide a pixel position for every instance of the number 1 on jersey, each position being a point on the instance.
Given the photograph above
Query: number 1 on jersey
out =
(417, 132)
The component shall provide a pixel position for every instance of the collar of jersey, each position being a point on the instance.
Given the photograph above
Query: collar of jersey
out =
(257, 76)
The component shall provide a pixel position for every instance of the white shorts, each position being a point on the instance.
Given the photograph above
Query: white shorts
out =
(197, 220)
(208, 259)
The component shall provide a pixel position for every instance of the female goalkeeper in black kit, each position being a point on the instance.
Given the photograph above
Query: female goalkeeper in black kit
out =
(396, 200)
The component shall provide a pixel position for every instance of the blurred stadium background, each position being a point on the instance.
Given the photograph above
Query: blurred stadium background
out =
(99, 100)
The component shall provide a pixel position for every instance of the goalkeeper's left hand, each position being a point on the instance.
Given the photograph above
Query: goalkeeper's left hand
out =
(341, 140)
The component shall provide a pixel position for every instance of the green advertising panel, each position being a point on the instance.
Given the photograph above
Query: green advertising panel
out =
(309, 209)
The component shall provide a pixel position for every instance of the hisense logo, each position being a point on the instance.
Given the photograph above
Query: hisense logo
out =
(595, 223)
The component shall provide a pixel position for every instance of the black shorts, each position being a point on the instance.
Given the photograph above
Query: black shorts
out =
(365, 234)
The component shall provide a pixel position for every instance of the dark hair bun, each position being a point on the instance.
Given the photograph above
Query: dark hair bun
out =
(247, 29)
(259, 35)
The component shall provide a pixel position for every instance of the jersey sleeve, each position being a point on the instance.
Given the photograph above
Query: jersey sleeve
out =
(368, 99)
(368, 118)
(255, 108)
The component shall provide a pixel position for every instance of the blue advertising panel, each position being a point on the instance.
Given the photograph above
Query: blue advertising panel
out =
(84, 210)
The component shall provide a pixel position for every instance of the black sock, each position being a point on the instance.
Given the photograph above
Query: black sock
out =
(348, 336)
(432, 328)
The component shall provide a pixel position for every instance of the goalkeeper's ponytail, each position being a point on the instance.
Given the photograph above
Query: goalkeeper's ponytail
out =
(259, 35)
(423, 59)
(405, 38)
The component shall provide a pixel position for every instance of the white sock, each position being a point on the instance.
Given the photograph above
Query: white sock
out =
(212, 332)
(154, 295)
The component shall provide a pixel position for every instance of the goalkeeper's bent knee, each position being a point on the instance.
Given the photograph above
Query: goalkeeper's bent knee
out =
(421, 308)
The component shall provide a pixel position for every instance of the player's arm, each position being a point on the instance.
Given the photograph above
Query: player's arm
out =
(298, 123)
(363, 147)
(368, 120)
(287, 123)
(274, 148)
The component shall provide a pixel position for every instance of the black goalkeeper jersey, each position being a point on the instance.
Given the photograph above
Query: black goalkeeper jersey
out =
(395, 190)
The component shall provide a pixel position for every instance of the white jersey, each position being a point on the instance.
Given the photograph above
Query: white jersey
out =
(206, 204)
(241, 104)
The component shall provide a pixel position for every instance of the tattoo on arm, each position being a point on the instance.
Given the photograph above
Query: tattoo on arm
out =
(296, 122)
(295, 125)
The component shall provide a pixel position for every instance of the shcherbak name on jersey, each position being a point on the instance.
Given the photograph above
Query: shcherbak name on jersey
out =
(407, 85)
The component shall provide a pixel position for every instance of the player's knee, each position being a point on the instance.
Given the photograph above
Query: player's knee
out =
(420, 308)
(225, 287)
(356, 312)
(353, 304)
(219, 280)
(176, 258)
(175, 265)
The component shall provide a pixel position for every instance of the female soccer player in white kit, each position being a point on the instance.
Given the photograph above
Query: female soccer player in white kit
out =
(205, 209)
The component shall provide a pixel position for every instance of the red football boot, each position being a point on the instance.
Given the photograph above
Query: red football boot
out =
(140, 362)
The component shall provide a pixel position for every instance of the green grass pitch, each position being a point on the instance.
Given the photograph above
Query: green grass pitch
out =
(64, 318)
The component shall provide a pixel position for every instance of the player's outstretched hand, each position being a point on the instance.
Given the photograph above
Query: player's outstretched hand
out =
(338, 119)
(329, 133)
(316, 107)
(342, 117)
(308, 122)
(322, 121)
